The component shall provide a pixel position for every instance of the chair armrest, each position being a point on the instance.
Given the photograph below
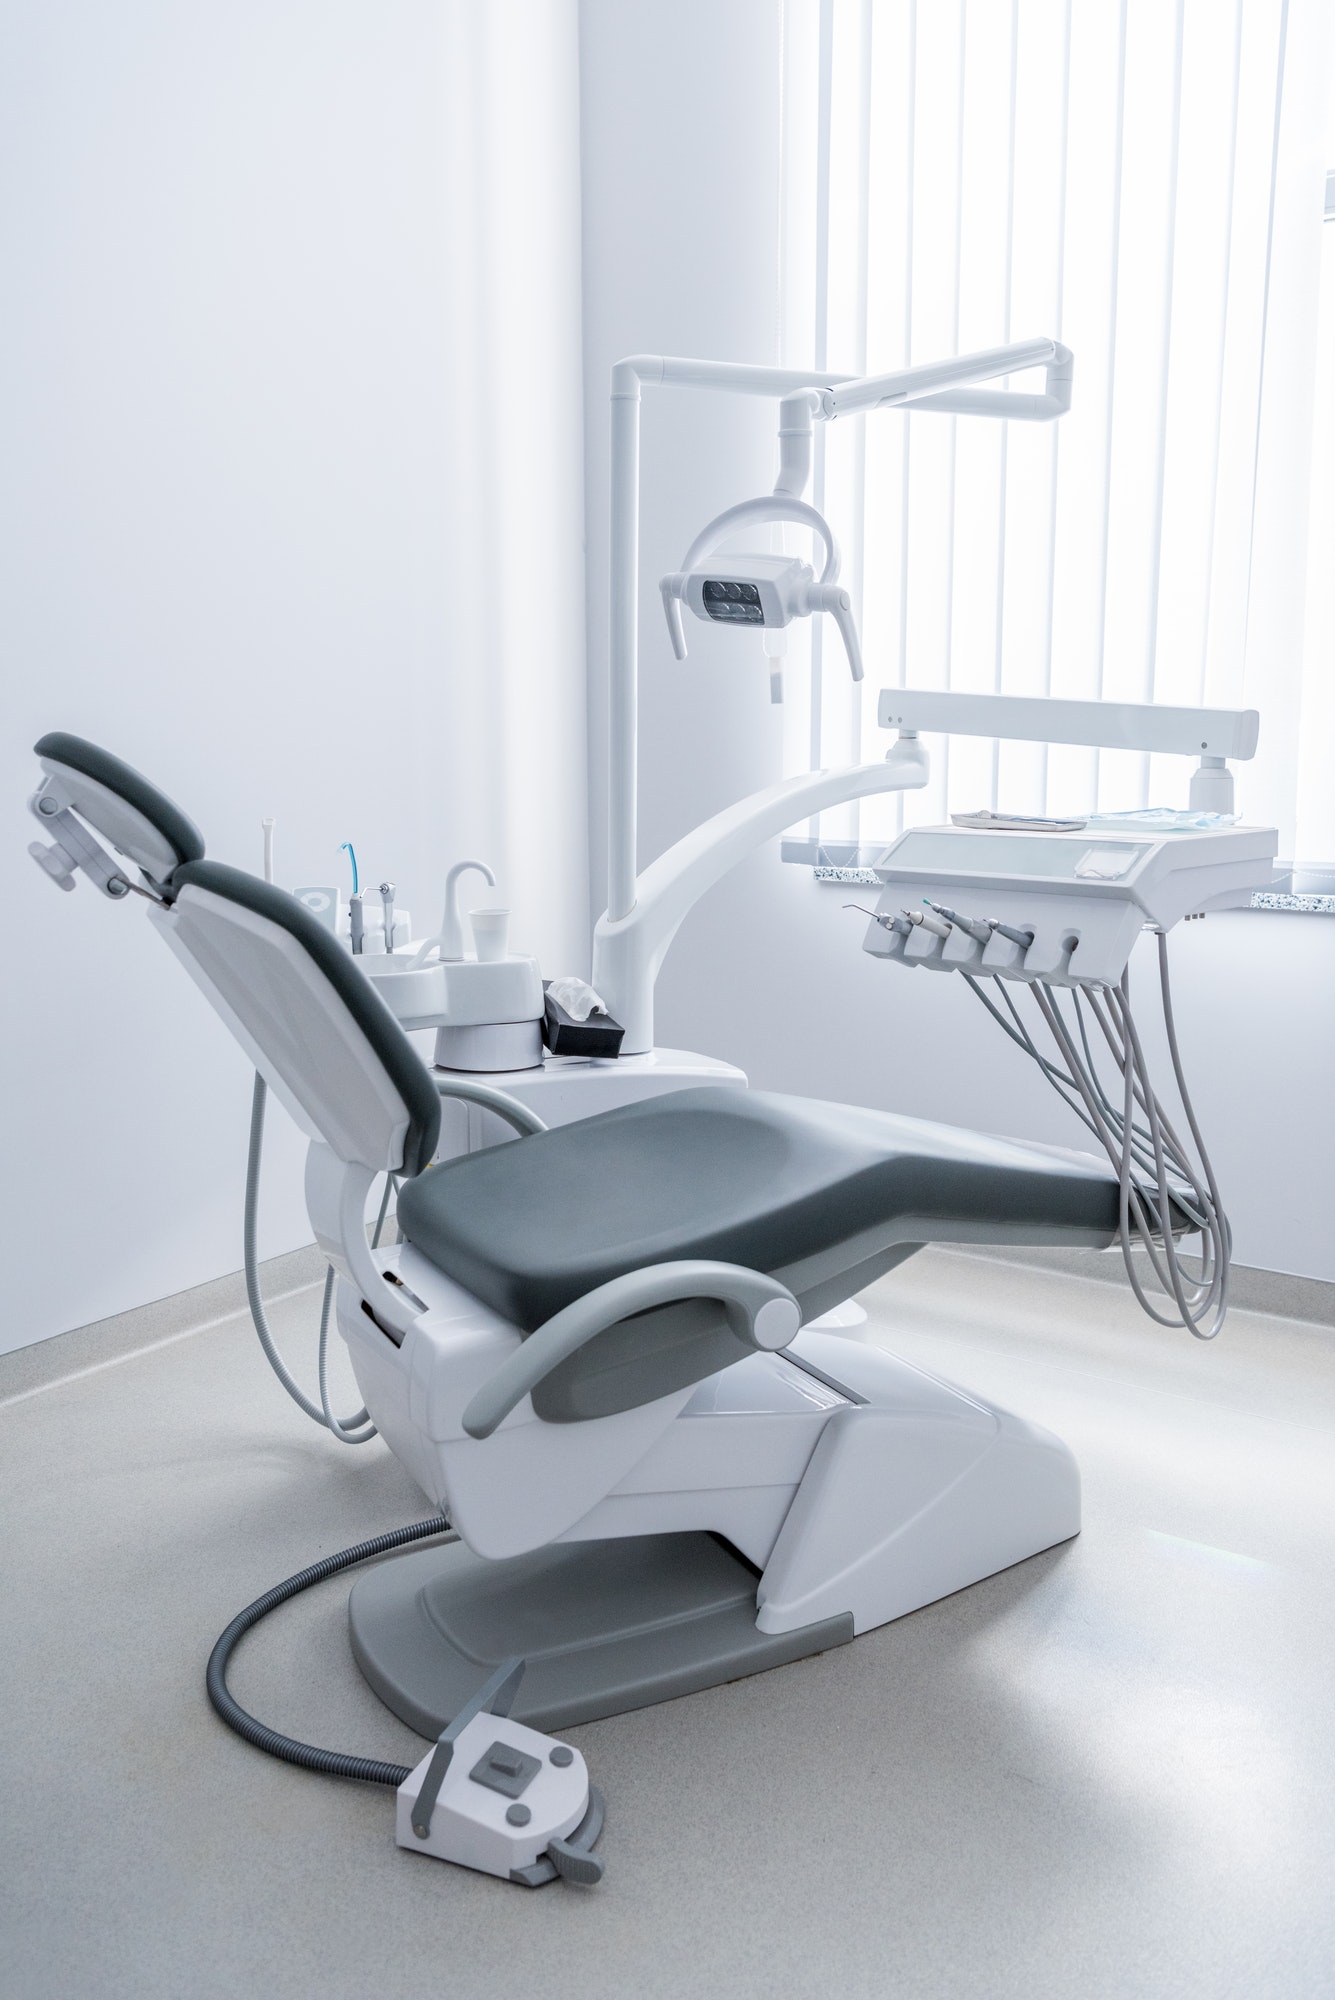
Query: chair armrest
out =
(761, 1312)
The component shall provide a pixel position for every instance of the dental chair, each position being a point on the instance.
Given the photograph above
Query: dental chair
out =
(591, 1346)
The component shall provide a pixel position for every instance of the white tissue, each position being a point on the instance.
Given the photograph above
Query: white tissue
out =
(576, 997)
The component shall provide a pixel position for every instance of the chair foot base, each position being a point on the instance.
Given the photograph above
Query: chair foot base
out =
(604, 1626)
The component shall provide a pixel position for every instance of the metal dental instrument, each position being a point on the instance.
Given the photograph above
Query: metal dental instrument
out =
(387, 913)
(899, 926)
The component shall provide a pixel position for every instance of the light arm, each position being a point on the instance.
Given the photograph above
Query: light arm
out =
(942, 385)
(628, 950)
(803, 394)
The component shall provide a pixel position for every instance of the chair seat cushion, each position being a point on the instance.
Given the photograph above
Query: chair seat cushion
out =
(742, 1176)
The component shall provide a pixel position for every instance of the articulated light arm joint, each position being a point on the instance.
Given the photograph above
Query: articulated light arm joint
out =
(946, 386)
(797, 415)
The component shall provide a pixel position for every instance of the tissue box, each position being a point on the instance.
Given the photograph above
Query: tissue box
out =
(600, 1035)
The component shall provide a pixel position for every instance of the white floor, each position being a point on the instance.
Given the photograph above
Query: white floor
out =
(1109, 1771)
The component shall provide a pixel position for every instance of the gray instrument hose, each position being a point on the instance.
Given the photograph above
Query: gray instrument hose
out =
(1156, 1174)
(345, 1429)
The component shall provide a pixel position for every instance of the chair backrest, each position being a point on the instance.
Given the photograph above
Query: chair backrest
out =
(309, 1020)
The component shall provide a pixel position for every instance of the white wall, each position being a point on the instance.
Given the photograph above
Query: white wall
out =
(681, 185)
(268, 534)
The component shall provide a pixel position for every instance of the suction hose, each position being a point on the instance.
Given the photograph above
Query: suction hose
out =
(333, 1763)
(345, 1429)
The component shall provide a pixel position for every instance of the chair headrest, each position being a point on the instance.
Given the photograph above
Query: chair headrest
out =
(119, 802)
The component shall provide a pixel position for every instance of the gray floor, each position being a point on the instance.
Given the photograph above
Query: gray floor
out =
(1108, 1771)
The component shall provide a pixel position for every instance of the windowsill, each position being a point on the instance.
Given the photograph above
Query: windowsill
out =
(833, 860)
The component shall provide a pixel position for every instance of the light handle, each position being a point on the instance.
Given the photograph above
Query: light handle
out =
(834, 599)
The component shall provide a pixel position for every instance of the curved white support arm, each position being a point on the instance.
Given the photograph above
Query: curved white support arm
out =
(628, 951)
(336, 1195)
(767, 507)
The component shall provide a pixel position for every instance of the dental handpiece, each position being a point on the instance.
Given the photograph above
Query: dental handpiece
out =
(982, 928)
(929, 921)
(387, 912)
(356, 924)
(977, 928)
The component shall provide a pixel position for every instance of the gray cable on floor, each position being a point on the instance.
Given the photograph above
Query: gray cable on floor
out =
(345, 1429)
(334, 1763)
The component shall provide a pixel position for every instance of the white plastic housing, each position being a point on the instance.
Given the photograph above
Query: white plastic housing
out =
(1086, 896)
(468, 1821)
(458, 993)
(1107, 725)
(504, 989)
(873, 1499)
(489, 1048)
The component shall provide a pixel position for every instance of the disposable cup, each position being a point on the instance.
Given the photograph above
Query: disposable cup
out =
(490, 933)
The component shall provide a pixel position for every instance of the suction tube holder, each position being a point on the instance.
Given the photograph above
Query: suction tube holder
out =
(802, 594)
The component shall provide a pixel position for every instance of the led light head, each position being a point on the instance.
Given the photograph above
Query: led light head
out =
(762, 591)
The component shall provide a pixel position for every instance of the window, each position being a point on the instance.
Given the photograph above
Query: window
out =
(1144, 180)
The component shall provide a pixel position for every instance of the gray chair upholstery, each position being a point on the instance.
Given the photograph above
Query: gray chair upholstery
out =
(387, 1040)
(824, 1197)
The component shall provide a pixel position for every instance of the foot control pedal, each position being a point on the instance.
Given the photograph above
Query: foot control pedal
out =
(500, 1797)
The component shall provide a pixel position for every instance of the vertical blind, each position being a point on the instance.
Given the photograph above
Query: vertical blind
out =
(1144, 180)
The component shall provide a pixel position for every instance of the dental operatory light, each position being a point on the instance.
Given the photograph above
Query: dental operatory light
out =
(767, 591)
